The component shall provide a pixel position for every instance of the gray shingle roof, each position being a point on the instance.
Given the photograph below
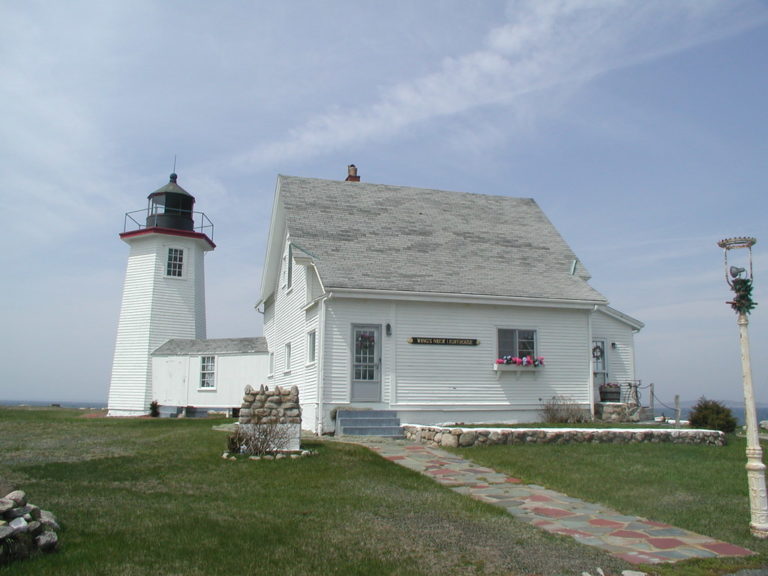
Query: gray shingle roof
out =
(373, 236)
(214, 346)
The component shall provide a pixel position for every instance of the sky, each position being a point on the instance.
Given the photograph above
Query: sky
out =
(640, 128)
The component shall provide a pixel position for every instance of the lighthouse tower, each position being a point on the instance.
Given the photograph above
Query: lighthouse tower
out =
(164, 291)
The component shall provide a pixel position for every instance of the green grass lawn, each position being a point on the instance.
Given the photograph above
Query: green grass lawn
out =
(144, 496)
(154, 497)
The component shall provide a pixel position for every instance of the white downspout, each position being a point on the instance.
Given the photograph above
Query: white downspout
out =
(320, 367)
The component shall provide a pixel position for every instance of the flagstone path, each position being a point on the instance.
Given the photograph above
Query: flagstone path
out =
(631, 538)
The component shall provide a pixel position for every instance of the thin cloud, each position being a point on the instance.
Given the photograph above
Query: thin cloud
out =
(545, 44)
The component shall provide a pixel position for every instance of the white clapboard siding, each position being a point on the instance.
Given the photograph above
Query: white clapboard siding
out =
(176, 379)
(293, 323)
(452, 376)
(340, 316)
(620, 359)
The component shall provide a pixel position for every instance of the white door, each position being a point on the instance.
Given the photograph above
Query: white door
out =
(366, 363)
(598, 362)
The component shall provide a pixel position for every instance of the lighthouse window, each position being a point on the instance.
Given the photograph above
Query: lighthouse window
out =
(175, 266)
(208, 372)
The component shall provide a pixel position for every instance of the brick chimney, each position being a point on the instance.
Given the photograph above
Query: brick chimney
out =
(352, 174)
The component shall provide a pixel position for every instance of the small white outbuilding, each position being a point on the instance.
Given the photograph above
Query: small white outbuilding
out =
(191, 376)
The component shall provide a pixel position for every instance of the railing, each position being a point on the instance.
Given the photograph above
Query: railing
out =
(201, 223)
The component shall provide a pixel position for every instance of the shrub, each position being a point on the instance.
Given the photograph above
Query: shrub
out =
(713, 415)
(154, 409)
(259, 439)
(563, 410)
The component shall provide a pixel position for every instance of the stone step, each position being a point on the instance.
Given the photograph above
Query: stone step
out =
(388, 421)
(368, 423)
(350, 414)
(386, 431)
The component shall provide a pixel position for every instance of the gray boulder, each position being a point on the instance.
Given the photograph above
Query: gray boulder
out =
(47, 541)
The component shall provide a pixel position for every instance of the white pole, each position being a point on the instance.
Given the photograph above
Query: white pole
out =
(758, 502)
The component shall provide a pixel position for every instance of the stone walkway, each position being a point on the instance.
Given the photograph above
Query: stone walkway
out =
(631, 538)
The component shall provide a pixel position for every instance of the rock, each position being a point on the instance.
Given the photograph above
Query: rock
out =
(34, 527)
(47, 541)
(6, 504)
(19, 525)
(17, 496)
(632, 573)
(449, 441)
(6, 531)
(467, 438)
(18, 512)
(49, 520)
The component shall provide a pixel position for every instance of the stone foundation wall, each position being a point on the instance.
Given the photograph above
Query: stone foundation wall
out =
(454, 437)
(278, 407)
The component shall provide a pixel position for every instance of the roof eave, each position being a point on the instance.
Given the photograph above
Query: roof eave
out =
(634, 323)
(449, 297)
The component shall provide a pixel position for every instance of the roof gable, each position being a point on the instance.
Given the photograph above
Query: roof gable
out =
(377, 237)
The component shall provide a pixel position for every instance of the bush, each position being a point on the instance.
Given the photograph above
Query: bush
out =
(154, 409)
(713, 415)
(563, 410)
(259, 439)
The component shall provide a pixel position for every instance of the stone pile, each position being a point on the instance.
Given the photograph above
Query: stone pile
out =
(436, 436)
(265, 406)
(25, 528)
(277, 407)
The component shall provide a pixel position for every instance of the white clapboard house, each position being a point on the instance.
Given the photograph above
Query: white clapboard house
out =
(405, 299)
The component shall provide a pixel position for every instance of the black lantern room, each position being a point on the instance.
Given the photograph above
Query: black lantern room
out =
(171, 207)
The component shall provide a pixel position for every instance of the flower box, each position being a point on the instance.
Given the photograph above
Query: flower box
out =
(513, 368)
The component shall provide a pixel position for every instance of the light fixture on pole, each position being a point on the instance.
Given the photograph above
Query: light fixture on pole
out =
(740, 281)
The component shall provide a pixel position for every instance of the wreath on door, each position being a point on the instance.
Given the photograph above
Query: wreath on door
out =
(366, 341)
(597, 352)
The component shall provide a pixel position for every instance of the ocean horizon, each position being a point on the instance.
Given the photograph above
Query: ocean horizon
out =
(56, 403)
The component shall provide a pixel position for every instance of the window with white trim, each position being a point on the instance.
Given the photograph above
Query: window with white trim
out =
(208, 372)
(311, 346)
(288, 357)
(175, 265)
(516, 343)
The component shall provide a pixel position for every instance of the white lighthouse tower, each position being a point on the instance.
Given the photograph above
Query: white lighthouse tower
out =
(164, 291)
